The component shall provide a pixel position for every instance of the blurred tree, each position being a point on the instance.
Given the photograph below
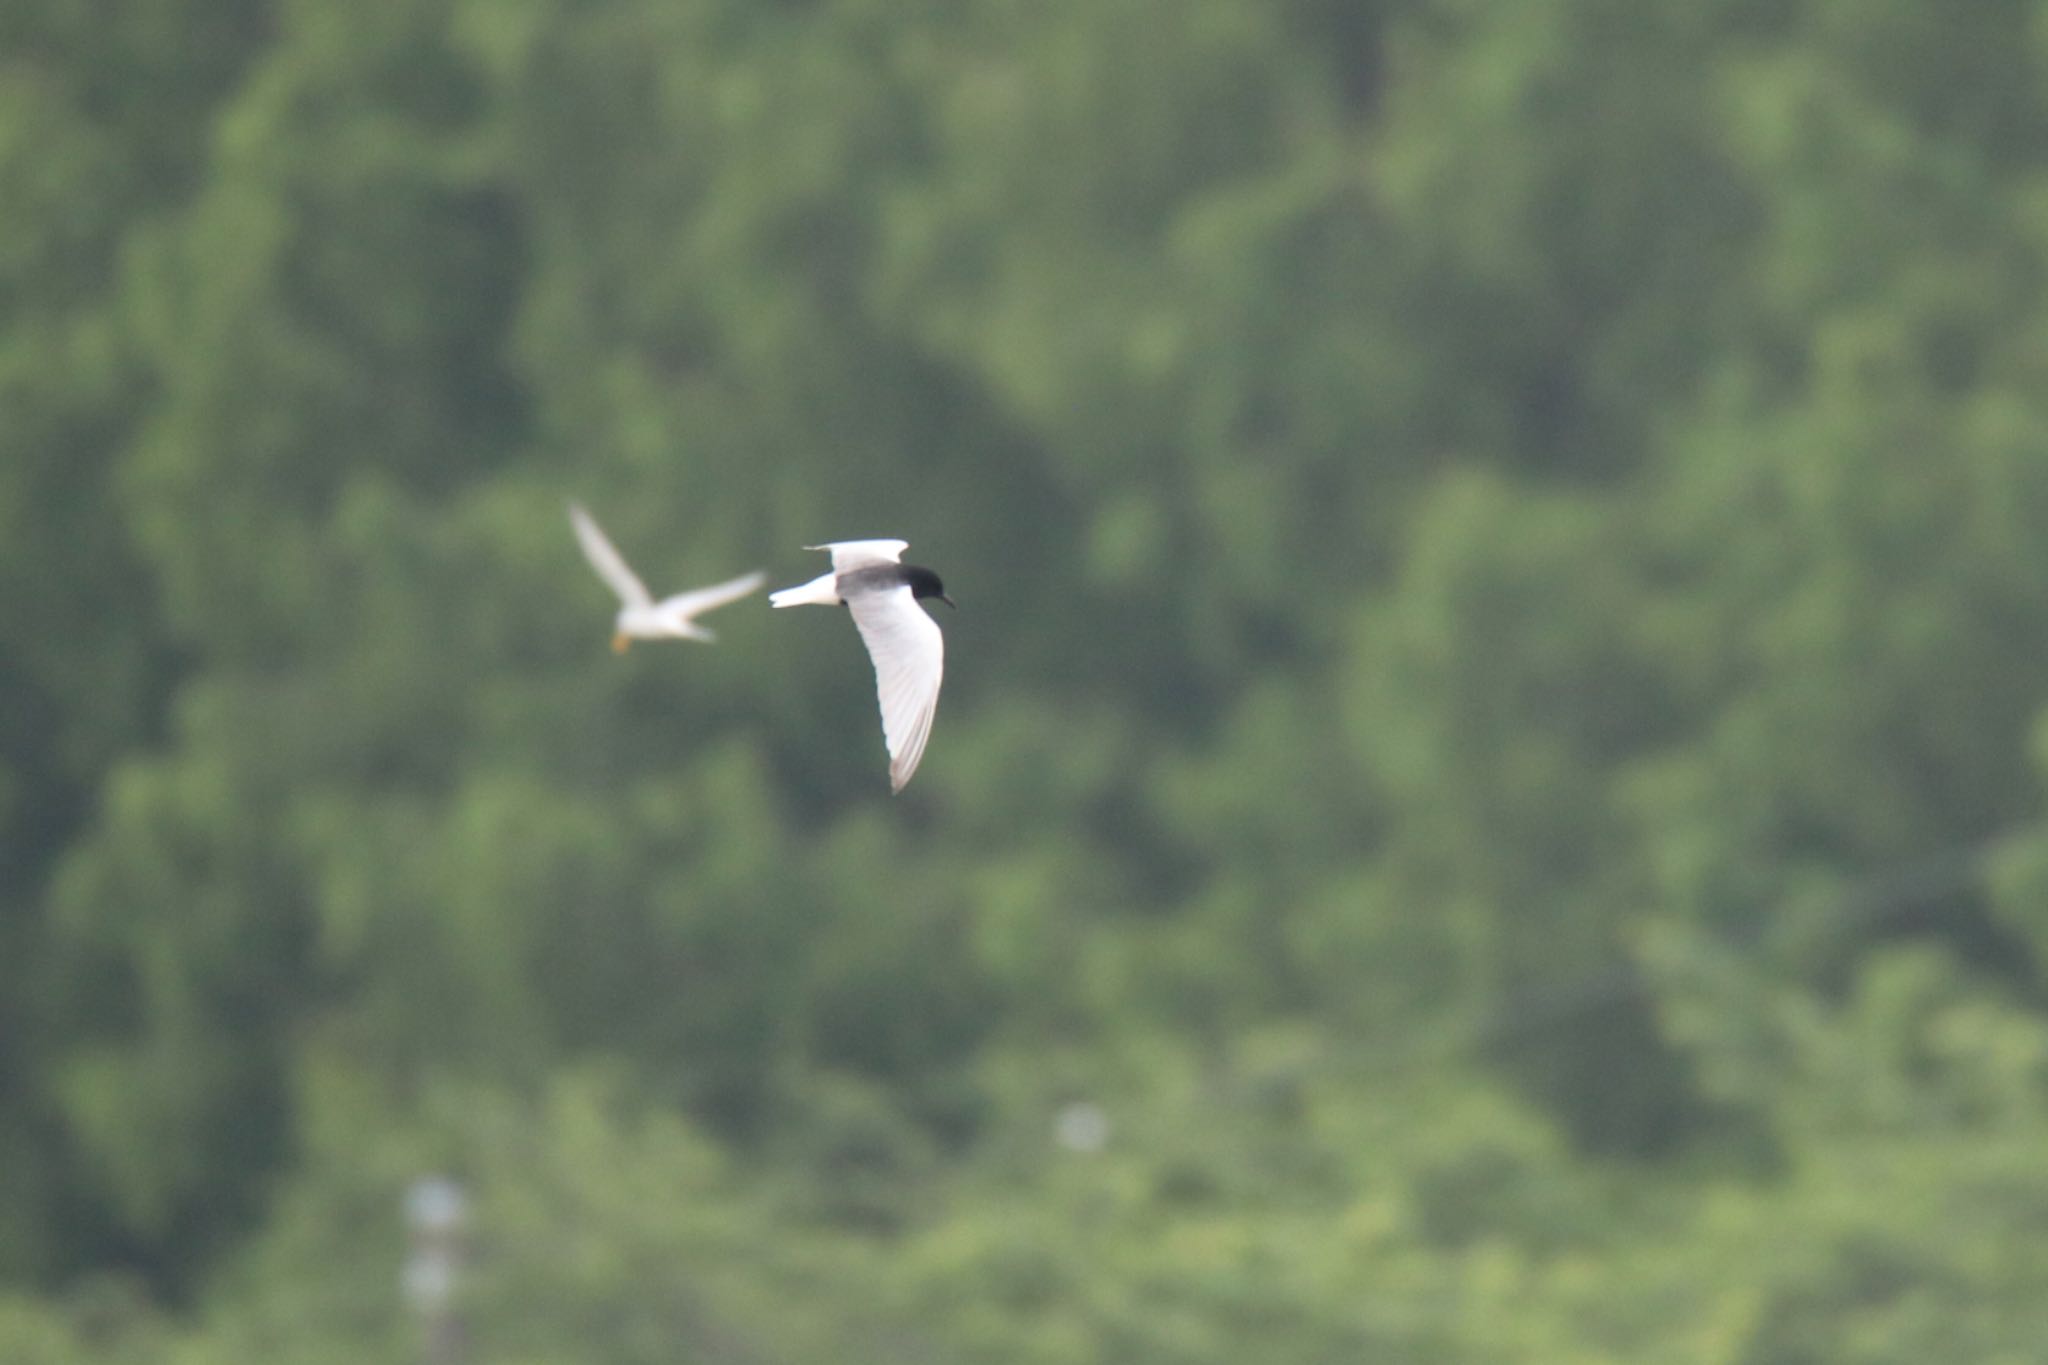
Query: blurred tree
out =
(1478, 530)
(103, 119)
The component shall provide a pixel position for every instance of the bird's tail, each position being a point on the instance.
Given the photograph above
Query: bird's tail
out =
(822, 591)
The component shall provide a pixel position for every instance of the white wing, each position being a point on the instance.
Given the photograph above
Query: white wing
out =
(610, 566)
(910, 656)
(859, 554)
(697, 601)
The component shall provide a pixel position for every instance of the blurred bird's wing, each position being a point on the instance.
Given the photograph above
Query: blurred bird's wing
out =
(697, 601)
(860, 554)
(604, 558)
(909, 655)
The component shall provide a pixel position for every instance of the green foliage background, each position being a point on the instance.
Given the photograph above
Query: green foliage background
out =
(1495, 726)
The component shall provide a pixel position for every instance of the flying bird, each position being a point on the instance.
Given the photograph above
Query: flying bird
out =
(869, 578)
(640, 616)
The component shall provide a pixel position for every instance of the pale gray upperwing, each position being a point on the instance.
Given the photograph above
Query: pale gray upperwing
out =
(860, 554)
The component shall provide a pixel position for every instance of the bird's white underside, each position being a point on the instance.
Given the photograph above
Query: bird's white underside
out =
(909, 654)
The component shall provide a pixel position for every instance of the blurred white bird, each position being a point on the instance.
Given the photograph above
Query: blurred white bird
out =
(908, 651)
(640, 616)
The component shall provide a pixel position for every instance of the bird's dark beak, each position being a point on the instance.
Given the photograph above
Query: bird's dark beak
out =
(949, 602)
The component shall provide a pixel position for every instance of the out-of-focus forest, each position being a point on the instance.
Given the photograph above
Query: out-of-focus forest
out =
(1488, 803)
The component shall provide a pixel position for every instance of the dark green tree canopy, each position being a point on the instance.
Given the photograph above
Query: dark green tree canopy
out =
(1487, 802)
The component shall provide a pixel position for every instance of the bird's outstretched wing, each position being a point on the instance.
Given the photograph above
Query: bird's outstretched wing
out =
(604, 558)
(859, 554)
(697, 601)
(909, 655)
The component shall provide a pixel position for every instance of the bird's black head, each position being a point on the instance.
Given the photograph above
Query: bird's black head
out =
(924, 583)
